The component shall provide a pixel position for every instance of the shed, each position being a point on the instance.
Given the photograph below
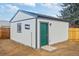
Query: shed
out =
(37, 30)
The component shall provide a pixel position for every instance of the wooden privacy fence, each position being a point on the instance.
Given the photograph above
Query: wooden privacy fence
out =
(73, 34)
(4, 33)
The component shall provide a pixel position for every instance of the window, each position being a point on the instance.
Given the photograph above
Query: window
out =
(27, 26)
(19, 28)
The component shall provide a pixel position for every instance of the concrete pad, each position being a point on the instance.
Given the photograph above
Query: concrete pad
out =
(49, 48)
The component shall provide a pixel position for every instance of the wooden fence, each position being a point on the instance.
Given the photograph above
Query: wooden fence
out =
(4, 33)
(73, 34)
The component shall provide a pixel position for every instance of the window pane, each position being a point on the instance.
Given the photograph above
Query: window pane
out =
(19, 27)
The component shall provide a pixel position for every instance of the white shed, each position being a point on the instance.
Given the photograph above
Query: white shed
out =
(37, 30)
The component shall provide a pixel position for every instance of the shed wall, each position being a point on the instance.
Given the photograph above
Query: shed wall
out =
(27, 36)
(58, 31)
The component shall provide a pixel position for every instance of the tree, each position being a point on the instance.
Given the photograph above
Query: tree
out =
(70, 11)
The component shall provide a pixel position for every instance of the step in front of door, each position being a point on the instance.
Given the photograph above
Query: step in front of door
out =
(49, 48)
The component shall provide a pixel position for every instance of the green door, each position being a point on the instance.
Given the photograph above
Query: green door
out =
(43, 34)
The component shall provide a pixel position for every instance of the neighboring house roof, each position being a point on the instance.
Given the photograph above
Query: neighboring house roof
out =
(39, 15)
(76, 22)
(4, 23)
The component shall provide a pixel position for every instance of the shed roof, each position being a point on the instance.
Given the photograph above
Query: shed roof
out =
(40, 16)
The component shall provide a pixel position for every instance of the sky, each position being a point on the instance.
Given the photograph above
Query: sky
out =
(8, 10)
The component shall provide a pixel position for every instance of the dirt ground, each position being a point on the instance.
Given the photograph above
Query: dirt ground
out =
(11, 48)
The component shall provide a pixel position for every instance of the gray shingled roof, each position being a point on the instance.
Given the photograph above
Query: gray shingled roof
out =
(43, 16)
(40, 15)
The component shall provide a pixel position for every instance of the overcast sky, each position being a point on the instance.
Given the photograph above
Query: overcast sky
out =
(7, 11)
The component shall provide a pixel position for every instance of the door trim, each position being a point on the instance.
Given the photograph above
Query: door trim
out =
(48, 33)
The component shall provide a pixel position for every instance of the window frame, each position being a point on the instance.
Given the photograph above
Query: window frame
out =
(19, 27)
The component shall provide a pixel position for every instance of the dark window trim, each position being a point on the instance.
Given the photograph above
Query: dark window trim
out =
(19, 27)
(27, 26)
(36, 32)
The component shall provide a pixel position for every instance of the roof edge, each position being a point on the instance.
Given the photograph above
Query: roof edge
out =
(14, 16)
(39, 15)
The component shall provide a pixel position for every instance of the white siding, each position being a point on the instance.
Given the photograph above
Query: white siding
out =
(27, 37)
(58, 31)
(21, 16)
